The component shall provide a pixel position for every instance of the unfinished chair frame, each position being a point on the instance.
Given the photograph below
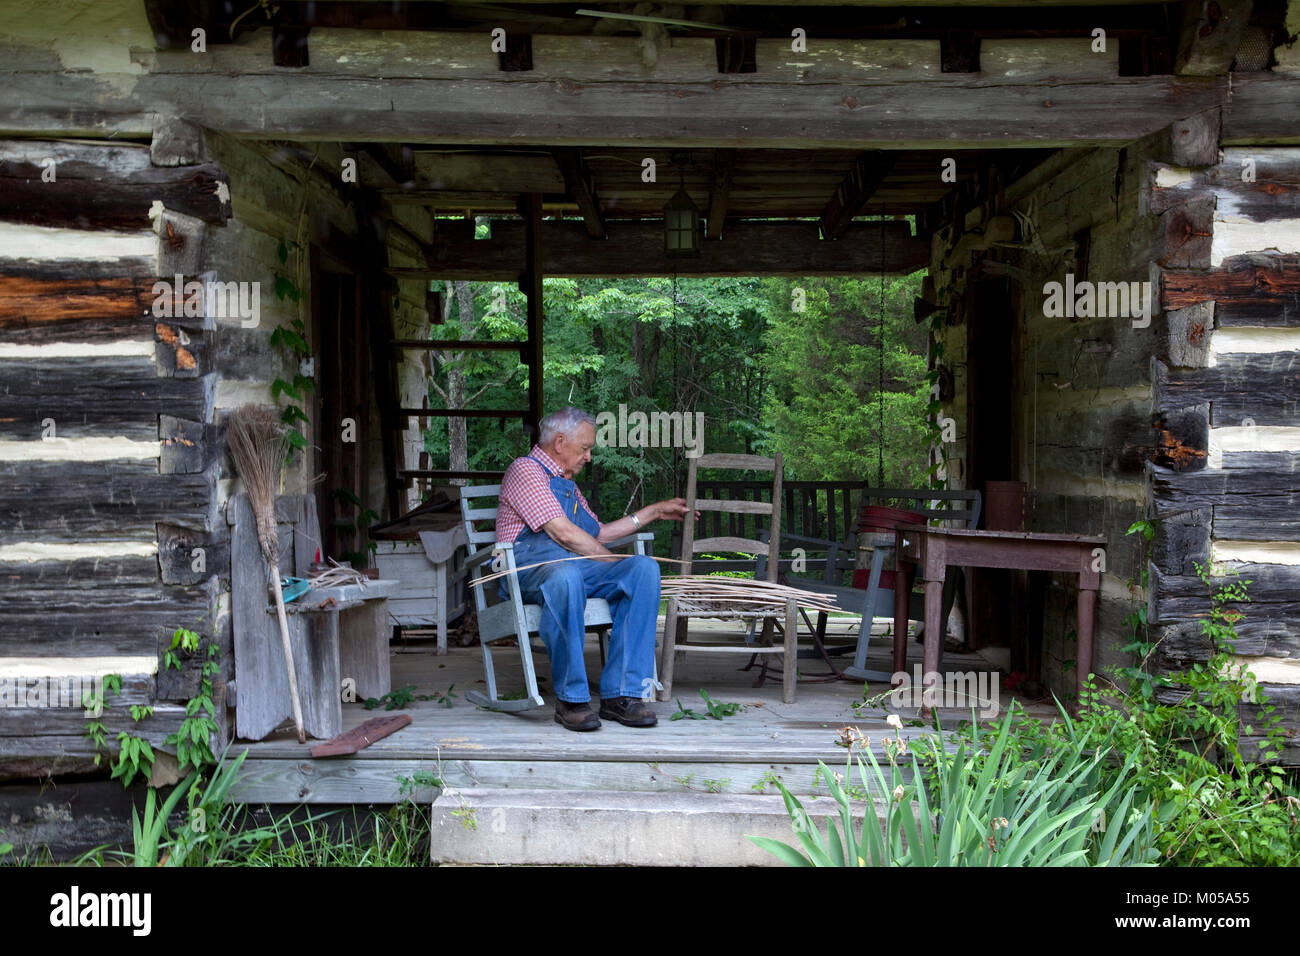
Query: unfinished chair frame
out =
(512, 617)
(965, 506)
(676, 617)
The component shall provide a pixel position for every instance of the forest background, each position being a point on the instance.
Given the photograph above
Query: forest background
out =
(805, 367)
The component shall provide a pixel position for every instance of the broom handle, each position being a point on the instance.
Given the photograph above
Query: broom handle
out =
(274, 568)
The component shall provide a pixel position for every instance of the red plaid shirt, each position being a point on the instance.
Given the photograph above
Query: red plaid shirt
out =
(526, 497)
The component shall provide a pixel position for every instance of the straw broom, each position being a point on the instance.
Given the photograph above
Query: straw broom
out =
(258, 447)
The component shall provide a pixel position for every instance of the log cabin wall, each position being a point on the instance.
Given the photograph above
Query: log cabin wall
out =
(1079, 392)
(1226, 481)
(1192, 421)
(108, 458)
(113, 478)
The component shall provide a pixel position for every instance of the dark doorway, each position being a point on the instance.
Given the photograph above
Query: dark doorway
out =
(992, 341)
(343, 380)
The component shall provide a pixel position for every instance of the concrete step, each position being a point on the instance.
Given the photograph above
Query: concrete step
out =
(612, 828)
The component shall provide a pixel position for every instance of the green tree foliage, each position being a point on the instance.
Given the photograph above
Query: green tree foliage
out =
(765, 376)
(825, 400)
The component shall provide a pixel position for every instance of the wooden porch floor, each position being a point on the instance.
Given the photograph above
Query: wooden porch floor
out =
(464, 746)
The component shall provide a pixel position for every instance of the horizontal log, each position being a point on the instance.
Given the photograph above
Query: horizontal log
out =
(1269, 622)
(1270, 519)
(72, 501)
(1263, 388)
(107, 571)
(1250, 115)
(95, 396)
(1266, 636)
(102, 186)
(34, 310)
(1285, 701)
(136, 621)
(637, 249)
(515, 108)
(1262, 290)
(1209, 488)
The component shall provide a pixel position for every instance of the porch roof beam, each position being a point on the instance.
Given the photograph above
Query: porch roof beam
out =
(637, 249)
(950, 113)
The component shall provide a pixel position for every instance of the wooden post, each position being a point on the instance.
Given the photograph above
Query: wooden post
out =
(530, 207)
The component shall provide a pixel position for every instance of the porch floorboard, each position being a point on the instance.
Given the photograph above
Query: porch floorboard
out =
(463, 746)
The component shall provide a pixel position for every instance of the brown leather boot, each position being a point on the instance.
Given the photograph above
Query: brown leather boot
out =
(578, 717)
(629, 711)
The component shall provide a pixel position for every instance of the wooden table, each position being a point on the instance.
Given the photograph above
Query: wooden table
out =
(928, 552)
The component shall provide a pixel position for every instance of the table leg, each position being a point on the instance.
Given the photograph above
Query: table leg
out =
(1087, 616)
(934, 633)
(902, 588)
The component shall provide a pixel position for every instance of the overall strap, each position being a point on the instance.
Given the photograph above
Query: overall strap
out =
(541, 466)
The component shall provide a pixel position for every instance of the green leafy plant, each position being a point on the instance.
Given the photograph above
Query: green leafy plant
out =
(715, 709)
(403, 697)
(134, 756)
(96, 731)
(150, 831)
(192, 738)
(183, 639)
(976, 808)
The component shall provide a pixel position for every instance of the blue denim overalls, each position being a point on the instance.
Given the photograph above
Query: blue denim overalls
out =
(630, 585)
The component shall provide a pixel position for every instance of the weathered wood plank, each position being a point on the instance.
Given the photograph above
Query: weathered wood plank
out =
(106, 622)
(338, 781)
(792, 249)
(1263, 388)
(186, 556)
(1259, 184)
(108, 571)
(519, 109)
(1247, 290)
(118, 499)
(188, 447)
(95, 396)
(854, 191)
(1214, 488)
(102, 186)
(1270, 615)
(84, 309)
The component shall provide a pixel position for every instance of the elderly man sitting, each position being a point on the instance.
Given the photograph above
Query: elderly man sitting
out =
(541, 511)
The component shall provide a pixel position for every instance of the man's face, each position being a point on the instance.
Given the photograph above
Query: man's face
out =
(571, 452)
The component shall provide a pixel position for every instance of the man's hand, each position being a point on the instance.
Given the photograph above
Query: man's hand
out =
(671, 509)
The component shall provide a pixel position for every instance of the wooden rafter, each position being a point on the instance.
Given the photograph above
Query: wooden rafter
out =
(581, 189)
(724, 164)
(856, 189)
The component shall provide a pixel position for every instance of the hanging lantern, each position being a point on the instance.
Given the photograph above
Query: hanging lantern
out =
(681, 225)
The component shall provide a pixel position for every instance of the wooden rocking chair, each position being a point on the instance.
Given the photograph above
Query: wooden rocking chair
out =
(512, 617)
(678, 612)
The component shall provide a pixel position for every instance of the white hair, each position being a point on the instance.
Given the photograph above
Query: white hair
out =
(565, 422)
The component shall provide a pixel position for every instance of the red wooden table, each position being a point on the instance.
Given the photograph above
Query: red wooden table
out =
(928, 552)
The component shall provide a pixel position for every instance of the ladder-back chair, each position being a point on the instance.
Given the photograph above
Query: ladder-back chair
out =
(679, 612)
(512, 617)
